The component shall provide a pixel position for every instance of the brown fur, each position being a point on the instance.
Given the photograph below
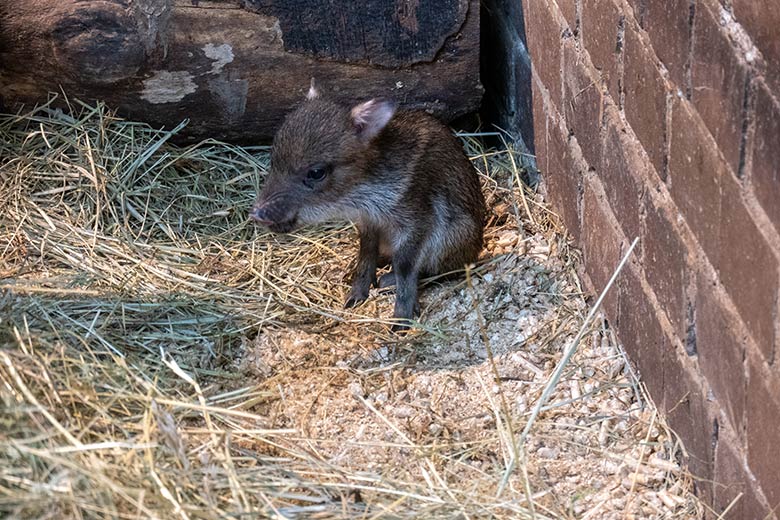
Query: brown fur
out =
(406, 183)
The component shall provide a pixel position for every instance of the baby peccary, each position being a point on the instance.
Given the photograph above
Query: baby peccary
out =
(400, 176)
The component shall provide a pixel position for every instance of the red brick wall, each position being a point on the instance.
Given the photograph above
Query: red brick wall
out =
(660, 119)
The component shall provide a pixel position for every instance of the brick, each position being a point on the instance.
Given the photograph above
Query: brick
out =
(721, 351)
(761, 18)
(569, 10)
(600, 21)
(620, 162)
(540, 126)
(749, 273)
(667, 22)
(645, 97)
(641, 332)
(665, 261)
(753, 507)
(766, 154)
(602, 244)
(763, 426)
(545, 28)
(687, 412)
(719, 77)
(638, 7)
(525, 7)
(695, 172)
(582, 102)
(730, 479)
(563, 177)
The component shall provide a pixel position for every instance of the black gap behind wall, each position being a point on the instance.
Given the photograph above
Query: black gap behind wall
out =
(506, 74)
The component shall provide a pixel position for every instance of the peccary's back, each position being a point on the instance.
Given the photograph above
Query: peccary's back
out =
(444, 197)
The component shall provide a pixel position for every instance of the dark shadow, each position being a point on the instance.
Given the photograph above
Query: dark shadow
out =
(506, 73)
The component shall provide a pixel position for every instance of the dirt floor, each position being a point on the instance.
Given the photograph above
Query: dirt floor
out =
(162, 357)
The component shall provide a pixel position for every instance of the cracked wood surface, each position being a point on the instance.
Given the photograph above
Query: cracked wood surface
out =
(234, 68)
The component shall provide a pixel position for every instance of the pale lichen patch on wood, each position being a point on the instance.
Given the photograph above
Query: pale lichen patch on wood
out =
(221, 54)
(168, 86)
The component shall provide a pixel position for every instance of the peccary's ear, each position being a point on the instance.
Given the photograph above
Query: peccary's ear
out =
(313, 93)
(371, 117)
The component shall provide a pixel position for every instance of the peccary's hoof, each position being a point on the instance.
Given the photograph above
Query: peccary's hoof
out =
(355, 298)
(403, 323)
(402, 327)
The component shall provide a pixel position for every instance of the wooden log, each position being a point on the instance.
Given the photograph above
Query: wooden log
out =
(234, 68)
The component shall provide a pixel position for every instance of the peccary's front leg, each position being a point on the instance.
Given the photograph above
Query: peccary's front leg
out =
(406, 276)
(365, 272)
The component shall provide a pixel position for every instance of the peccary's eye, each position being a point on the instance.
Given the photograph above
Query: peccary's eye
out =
(318, 172)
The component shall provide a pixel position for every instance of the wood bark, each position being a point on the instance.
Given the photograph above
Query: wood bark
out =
(235, 68)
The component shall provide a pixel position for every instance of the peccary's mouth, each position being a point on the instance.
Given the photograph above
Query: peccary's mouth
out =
(283, 227)
(270, 217)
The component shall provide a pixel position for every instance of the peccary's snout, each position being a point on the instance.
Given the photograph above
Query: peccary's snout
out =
(274, 214)
(261, 214)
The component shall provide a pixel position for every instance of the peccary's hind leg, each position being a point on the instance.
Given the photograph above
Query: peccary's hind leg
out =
(365, 272)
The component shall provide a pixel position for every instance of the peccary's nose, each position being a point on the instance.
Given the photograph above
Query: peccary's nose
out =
(261, 215)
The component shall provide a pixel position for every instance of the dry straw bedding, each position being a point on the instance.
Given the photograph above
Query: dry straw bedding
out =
(161, 357)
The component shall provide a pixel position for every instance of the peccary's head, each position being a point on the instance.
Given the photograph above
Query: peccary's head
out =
(320, 157)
